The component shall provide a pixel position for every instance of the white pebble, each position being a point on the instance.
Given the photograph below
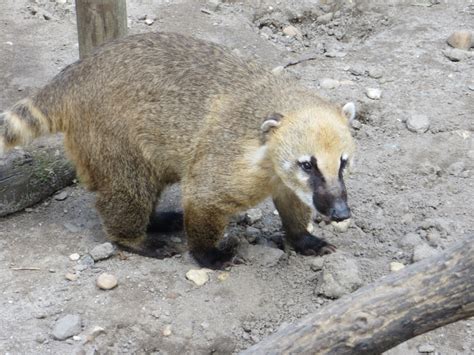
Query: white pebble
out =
(342, 226)
(198, 276)
(106, 281)
(328, 83)
(396, 266)
(167, 330)
(373, 93)
(74, 257)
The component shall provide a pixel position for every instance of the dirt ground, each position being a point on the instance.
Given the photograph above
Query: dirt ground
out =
(411, 193)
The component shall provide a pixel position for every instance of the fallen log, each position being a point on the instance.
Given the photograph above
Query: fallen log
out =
(29, 176)
(419, 298)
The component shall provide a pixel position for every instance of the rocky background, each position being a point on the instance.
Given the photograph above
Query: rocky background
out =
(64, 290)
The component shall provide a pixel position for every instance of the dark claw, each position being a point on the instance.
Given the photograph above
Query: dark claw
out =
(310, 245)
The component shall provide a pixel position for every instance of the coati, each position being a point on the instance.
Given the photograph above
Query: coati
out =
(153, 109)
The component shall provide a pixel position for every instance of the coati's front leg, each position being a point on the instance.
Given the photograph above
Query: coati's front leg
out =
(295, 216)
(205, 225)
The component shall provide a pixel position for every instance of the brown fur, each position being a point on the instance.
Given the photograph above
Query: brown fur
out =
(153, 109)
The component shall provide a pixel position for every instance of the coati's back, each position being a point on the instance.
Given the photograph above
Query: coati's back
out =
(155, 86)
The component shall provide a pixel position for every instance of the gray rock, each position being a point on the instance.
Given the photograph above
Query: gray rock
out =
(410, 240)
(317, 263)
(326, 18)
(61, 196)
(375, 73)
(253, 215)
(356, 124)
(457, 55)
(456, 168)
(67, 326)
(373, 93)
(328, 83)
(265, 256)
(426, 348)
(418, 123)
(340, 276)
(102, 251)
(471, 87)
(252, 234)
(423, 251)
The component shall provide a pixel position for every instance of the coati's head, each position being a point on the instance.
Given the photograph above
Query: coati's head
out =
(310, 149)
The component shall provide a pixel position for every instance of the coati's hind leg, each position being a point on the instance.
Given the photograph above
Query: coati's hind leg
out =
(125, 212)
(295, 216)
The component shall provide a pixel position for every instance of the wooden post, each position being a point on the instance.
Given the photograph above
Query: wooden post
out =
(421, 297)
(99, 21)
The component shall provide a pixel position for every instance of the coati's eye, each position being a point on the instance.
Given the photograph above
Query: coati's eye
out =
(306, 165)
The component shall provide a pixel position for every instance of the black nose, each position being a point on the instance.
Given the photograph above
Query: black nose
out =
(340, 212)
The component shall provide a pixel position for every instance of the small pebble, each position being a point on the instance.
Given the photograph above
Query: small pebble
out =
(149, 21)
(373, 93)
(317, 263)
(326, 18)
(223, 276)
(70, 276)
(102, 251)
(426, 348)
(342, 226)
(67, 326)
(74, 257)
(471, 87)
(462, 39)
(375, 73)
(292, 31)
(106, 281)
(423, 251)
(457, 55)
(396, 266)
(166, 330)
(253, 215)
(198, 276)
(61, 196)
(328, 83)
(356, 124)
(418, 123)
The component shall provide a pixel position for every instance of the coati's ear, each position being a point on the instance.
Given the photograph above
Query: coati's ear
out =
(349, 110)
(271, 122)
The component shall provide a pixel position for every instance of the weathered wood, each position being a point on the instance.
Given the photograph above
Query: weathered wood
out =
(424, 296)
(29, 176)
(99, 21)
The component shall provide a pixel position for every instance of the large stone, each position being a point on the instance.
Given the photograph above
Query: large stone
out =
(423, 251)
(67, 326)
(340, 276)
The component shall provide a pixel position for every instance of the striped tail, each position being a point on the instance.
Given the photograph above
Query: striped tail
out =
(22, 123)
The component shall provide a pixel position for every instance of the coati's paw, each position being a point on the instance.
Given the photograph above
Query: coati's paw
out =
(218, 258)
(165, 222)
(308, 244)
